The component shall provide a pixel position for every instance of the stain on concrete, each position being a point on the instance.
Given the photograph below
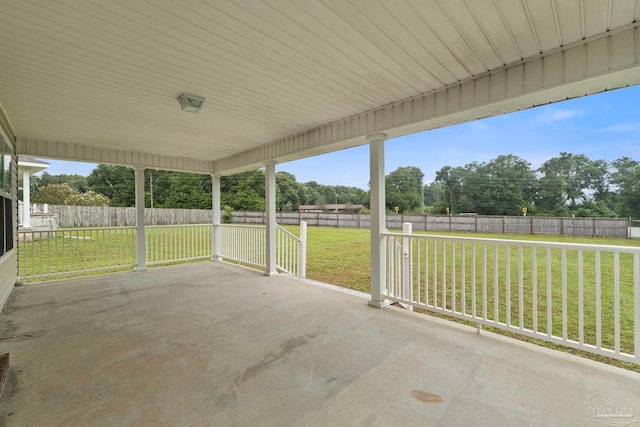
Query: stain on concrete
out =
(272, 359)
(16, 337)
(425, 396)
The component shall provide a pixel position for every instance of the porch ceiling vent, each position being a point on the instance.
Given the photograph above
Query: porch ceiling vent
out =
(190, 103)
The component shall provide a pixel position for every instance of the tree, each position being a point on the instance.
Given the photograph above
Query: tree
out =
(243, 191)
(504, 185)
(38, 181)
(404, 189)
(63, 194)
(291, 193)
(626, 177)
(321, 202)
(55, 194)
(188, 191)
(572, 180)
(453, 184)
(115, 182)
(90, 198)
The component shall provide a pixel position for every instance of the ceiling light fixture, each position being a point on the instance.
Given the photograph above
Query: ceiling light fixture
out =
(190, 103)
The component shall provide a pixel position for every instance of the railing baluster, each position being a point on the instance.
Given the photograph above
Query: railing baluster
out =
(507, 294)
(636, 307)
(418, 272)
(549, 300)
(435, 274)
(426, 272)
(580, 297)
(496, 298)
(474, 311)
(453, 276)
(598, 303)
(463, 277)
(565, 313)
(520, 288)
(534, 288)
(444, 275)
(484, 281)
(616, 301)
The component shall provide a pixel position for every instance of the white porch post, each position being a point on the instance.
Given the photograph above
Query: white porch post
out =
(378, 218)
(141, 242)
(215, 206)
(26, 199)
(270, 208)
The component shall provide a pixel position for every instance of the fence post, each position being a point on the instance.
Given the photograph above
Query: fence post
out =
(303, 249)
(407, 265)
(531, 225)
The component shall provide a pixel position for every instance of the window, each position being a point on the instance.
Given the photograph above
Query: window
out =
(7, 166)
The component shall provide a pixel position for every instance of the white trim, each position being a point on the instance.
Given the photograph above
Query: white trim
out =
(89, 154)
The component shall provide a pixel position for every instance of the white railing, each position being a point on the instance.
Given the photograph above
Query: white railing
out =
(174, 243)
(291, 251)
(580, 296)
(244, 244)
(50, 253)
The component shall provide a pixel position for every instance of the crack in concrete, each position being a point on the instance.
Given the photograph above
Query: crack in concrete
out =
(272, 359)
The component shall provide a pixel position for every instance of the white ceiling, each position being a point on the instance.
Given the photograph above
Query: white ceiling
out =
(108, 73)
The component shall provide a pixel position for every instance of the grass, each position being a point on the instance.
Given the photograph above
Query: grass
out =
(101, 250)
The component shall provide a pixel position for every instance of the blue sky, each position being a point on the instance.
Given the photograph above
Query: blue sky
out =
(603, 126)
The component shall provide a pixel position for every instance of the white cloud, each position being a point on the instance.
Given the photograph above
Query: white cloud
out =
(622, 127)
(557, 115)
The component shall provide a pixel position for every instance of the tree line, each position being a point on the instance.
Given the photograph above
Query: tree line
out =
(114, 186)
(565, 185)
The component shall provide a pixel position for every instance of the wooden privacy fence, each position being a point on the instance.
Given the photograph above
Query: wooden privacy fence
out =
(588, 227)
(107, 216)
(96, 216)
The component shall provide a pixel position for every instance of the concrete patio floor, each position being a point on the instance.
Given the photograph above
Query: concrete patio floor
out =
(213, 344)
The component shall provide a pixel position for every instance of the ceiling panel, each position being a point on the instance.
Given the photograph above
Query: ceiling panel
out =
(107, 73)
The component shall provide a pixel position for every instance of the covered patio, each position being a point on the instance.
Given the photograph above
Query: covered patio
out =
(208, 343)
(215, 344)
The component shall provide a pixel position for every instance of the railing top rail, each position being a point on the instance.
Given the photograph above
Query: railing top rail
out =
(530, 243)
(242, 226)
(73, 229)
(284, 230)
(177, 225)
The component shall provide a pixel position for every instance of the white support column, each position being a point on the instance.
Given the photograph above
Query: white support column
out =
(270, 208)
(378, 219)
(215, 206)
(141, 241)
(26, 199)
